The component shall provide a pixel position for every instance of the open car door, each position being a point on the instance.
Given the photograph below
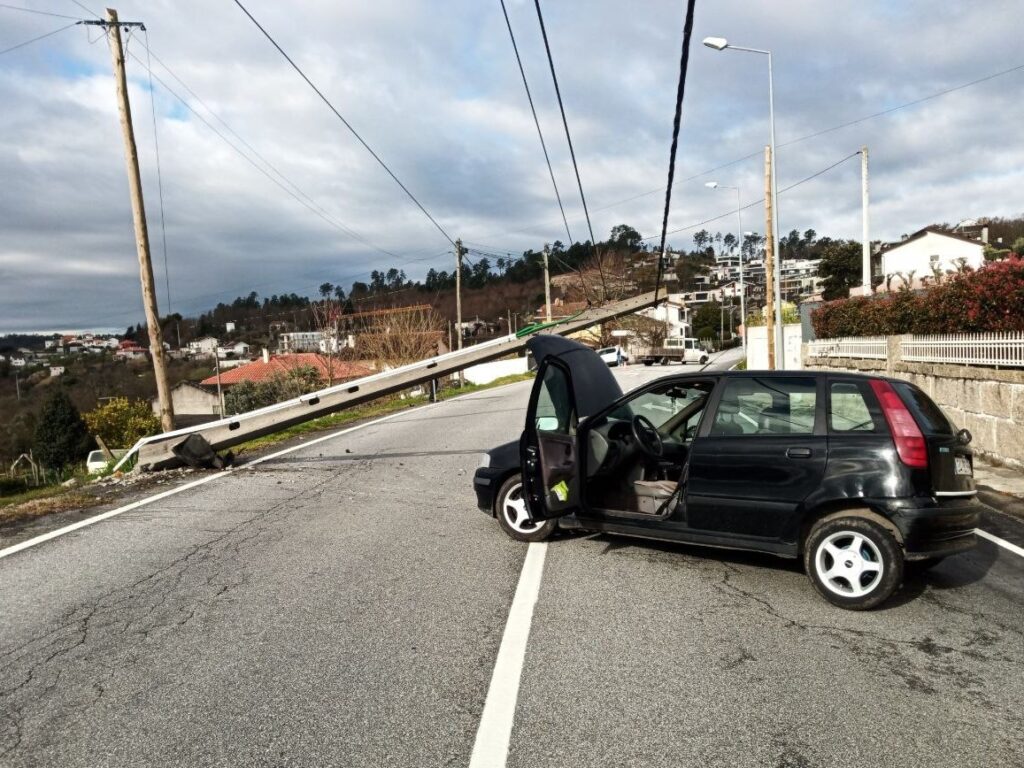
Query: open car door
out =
(549, 450)
(572, 383)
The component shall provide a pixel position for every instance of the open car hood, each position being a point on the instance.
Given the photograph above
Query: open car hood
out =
(593, 384)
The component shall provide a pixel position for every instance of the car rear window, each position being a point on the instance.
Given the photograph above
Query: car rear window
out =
(850, 408)
(928, 415)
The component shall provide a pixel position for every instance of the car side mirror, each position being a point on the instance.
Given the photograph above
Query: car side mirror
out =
(547, 424)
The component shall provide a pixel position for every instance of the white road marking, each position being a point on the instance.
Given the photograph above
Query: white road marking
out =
(490, 750)
(188, 486)
(1001, 542)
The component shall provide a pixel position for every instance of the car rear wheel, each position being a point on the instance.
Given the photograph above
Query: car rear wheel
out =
(853, 562)
(510, 509)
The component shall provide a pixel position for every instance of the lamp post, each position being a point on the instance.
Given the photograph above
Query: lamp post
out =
(720, 44)
(739, 242)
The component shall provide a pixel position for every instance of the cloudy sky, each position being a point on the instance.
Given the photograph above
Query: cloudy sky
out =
(433, 88)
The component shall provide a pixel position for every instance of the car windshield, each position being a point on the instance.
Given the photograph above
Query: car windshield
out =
(662, 404)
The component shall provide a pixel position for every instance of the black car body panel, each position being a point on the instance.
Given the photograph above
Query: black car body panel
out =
(759, 491)
(594, 385)
(502, 463)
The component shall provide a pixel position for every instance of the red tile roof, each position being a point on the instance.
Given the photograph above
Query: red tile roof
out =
(280, 365)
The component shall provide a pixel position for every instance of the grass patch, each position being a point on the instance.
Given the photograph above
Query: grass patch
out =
(370, 410)
(31, 494)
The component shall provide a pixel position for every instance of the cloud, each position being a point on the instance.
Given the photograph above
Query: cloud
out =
(435, 90)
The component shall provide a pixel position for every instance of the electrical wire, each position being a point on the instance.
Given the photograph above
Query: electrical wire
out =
(543, 145)
(568, 138)
(536, 121)
(41, 37)
(159, 174)
(297, 197)
(755, 203)
(298, 190)
(344, 122)
(38, 13)
(791, 142)
(684, 61)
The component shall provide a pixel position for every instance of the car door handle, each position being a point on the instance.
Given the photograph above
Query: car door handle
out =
(798, 453)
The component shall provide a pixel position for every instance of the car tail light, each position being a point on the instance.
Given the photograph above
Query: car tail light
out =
(910, 443)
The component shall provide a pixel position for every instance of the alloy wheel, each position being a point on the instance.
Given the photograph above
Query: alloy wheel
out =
(513, 509)
(849, 564)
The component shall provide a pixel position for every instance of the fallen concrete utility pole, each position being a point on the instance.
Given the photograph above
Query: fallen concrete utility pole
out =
(157, 452)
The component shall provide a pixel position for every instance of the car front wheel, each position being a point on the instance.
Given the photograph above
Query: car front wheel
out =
(853, 562)
(510, 509)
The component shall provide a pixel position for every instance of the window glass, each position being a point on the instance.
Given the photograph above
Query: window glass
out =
(673, 406)
(766, 406)
(927, 414)
(849, 410)
(554, 404)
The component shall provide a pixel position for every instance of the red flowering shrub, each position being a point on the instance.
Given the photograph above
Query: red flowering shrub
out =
(989, 299)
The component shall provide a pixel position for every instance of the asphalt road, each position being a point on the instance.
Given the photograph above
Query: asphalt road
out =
(344, 604)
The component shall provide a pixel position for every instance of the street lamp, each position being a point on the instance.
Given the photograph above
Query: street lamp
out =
(739, 240)
(720, 44)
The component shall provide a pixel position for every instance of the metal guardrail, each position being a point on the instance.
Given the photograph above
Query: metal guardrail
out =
(864, 347)
(156, 452)
(998, 349)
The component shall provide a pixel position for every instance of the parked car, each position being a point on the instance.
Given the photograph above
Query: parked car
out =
(612, 356)
(859, 476)
(97, 460)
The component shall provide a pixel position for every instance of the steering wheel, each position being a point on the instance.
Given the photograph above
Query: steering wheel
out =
(647, 436)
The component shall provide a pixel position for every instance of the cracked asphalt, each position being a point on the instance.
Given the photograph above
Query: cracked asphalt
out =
(343, 605)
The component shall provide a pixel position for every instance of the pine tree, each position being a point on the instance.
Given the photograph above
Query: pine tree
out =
(61, 436)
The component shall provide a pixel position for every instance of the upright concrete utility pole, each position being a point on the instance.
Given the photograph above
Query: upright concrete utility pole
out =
(458, 291)
(156, 341)
(769, 258)
(547, 284)
(865, 234)
(458, 300)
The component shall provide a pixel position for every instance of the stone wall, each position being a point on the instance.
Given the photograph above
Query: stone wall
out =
(987, 401)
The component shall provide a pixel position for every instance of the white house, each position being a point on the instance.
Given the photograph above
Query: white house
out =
(206, 346)
(238, 349)
(673, 312)
(928, 251)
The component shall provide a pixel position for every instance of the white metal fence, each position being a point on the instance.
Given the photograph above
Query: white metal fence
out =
(1004, 349)
(869, 347)
(999, 349)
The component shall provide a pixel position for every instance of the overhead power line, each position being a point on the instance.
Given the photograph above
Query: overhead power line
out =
(283, 183)
(536, 121)
(344, 121)
(40, 37)
(568, 138)
(684, 61)
(159, 173)
(38, 13)
(791, 142)
(755, 203)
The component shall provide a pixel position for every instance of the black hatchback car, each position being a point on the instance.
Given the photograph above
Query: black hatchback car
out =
(857, 475)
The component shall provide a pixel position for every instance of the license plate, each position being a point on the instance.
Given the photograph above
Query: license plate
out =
(963, 465)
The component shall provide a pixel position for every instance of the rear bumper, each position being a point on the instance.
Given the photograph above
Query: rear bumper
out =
(937, 527)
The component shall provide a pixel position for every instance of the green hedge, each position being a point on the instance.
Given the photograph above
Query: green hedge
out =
(988, 299)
